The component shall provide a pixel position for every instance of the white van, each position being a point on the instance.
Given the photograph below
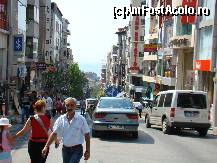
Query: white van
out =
(179, 109)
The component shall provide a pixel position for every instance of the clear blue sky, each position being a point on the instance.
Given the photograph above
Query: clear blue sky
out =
(92, 29)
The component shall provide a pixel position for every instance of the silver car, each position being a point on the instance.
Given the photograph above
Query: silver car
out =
(115, 114)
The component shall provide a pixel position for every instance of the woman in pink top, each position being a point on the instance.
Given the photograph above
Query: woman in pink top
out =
(6, 141)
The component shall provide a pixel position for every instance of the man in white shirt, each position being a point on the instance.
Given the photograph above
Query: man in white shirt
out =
(49, 104)
(72, 128)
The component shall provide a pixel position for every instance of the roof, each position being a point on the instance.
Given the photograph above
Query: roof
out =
(112, 98)
(182, 91)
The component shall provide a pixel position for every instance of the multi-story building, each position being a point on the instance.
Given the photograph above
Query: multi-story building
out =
(4, 32)
(32, 40)
(121, 58)
(56, 33)
(205, 50)
(112, 66)
(136, 53)
(64, 55)
(103, 75)
(150, 60)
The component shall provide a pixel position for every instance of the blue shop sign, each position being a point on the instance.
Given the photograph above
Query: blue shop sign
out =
(18, 43)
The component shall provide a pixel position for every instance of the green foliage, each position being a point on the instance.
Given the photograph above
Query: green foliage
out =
(70, 81)
(76, 81)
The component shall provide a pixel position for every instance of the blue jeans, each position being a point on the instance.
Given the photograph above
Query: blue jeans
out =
(72, 155)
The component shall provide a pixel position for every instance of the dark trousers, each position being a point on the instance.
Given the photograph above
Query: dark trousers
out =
(35, 149)
(82, 111)
(72, 155)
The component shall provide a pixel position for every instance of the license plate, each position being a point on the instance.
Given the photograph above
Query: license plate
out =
(191, 114)
(117, 127)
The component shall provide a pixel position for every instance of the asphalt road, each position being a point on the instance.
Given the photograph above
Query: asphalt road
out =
(152, 146)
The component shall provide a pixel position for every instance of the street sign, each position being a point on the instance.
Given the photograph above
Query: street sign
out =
(18, 43)
(111, 91)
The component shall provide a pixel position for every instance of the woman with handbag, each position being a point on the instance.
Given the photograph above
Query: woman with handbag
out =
(39, 125)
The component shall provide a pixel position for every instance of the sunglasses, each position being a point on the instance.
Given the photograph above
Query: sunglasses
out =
(70, 104)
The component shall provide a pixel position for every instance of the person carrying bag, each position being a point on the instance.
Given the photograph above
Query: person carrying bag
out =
(39, 125)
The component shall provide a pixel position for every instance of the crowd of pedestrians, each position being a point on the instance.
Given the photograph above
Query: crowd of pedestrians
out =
(37, 115)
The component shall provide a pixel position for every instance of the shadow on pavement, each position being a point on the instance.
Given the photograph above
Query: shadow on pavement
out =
(194, 134)
(143, 138)
(187, 133)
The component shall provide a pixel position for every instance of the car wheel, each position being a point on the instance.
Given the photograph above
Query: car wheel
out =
(135, 134)
(165, 127)
(202, 132)
(147, 122)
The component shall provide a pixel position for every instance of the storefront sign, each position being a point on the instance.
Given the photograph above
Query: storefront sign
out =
(135, 50)
(40, 66)
(150, 47)
(187, 19)
(3, 14)
(18, 43)
(203, 65)
(178, 42)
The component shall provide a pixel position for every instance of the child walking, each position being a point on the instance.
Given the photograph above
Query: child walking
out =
(6, 141)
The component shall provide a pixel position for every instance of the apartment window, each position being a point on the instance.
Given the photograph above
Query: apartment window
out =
(48, 19)
(141, 54)
(183, 29)
(36, 14)
(47, 41)
(48, 9)
(57, 27)
(210, 4)
(30, 12)
(141, 38)
(205, 46)
(47, 53)
(142, 21)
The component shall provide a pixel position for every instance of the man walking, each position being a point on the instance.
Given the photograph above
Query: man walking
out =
(49, 104)
(72, 128)
(83, 107)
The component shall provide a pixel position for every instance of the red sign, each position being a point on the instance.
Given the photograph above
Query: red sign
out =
(203, 65)
(189, 19)
(3, 14)
(150, 47)
(135, 50)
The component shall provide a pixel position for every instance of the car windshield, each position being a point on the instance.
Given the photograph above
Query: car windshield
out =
(115, 103)
(189, 100)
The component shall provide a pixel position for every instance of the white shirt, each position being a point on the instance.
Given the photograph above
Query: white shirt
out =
(49, 103)
(71, 133)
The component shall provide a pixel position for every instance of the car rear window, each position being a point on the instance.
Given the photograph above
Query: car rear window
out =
(115, 103)
(190, 100)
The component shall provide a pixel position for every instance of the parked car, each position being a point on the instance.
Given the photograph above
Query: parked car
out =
(115, 114)
(90, 106)
(179, 109)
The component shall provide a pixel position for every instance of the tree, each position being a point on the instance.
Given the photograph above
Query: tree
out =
(75, 81)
